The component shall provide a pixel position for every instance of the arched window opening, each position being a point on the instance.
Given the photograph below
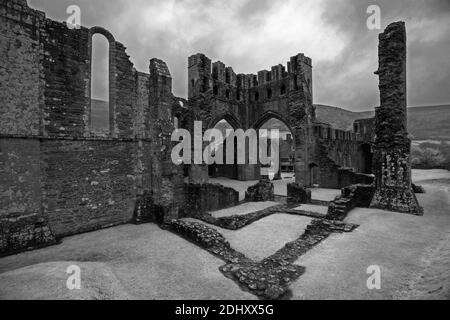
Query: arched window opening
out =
(286, 149)
(227, 94)
(205, 84)
(216, 90)
(314, 174)
(256, 96)
(269, 93)
(283, 90)
(229, 171)
(100, 104)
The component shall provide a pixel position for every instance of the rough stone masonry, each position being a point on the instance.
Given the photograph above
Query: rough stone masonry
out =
(392, 145)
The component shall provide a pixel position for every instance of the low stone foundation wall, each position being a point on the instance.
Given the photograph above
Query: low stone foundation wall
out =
(201, 198)
(23, 233)
(297, 194)
(359, 195)
(262, 191)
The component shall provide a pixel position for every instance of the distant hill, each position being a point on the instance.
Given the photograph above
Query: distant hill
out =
(100, 116)
(424, 123)
(430, 123)
(340, 118)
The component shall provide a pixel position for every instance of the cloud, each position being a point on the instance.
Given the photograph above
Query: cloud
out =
(252, 35)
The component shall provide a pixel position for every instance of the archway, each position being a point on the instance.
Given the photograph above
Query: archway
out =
(314, 174)
(366, 158)
(101, 81)
(224, 170)
(286, 145)
(100, 85)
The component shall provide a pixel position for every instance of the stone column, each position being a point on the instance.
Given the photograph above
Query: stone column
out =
(392, 162)
(166, 181)
(300, 102)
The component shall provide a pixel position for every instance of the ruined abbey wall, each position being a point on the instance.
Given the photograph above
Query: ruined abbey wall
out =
(59, 176)
(55, 170)
(247, 101)
(340, 157)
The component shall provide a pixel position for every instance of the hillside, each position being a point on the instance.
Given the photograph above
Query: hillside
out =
(425, 123)
(100, 116)
(340, 118)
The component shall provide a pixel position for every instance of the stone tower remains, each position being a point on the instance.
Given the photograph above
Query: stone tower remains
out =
(392, 144)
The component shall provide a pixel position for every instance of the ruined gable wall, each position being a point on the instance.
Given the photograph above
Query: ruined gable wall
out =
(93, 182)
(60, 171)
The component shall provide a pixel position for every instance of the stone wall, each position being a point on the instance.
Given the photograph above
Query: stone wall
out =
(88, 184)
(339, 157)
(58, 176)
(203, 198)
(249, 100)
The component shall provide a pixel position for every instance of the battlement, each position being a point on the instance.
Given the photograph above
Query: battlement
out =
(326, 132)
(205, 75)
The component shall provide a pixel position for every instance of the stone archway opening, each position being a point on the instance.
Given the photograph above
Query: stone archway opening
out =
(229, 171)
(102, 82)
(100, 108)
(286, 147)
(367, 158)
(314, 174)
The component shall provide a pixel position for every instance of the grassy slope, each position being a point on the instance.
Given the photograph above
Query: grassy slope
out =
(424, 122)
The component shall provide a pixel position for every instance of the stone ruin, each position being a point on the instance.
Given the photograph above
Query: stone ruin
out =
(58, 177)
(392, 145)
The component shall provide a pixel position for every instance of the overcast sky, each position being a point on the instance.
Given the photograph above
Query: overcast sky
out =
(252, 35)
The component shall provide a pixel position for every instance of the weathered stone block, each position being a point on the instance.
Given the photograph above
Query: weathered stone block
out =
(24, 233)
(262, 191)
(360, 194)
(201, 198)
(418, 189)
(297, 194)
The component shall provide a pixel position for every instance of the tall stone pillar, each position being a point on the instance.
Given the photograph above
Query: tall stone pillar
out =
(166, 177)
(300, 100)
(392, 162)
